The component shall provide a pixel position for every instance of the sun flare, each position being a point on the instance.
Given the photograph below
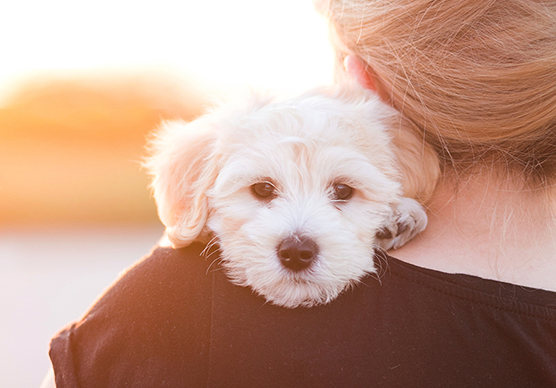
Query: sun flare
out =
(274, 45)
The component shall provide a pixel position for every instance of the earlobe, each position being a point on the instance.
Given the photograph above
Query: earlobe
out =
(360, 72)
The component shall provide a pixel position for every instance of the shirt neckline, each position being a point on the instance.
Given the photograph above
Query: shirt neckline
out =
(499, 294)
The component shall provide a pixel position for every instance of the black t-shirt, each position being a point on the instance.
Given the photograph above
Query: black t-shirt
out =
(174, 320)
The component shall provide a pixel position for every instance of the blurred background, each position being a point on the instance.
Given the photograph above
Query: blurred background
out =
(81, 86)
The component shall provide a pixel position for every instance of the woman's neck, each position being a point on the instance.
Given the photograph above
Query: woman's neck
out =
(491, 228)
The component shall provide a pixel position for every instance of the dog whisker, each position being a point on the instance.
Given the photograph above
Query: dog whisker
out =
(210, 269)
(209, 246)
(217, 251)
(381, 264)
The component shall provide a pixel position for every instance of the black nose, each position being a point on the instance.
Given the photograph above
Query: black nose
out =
(297, 253)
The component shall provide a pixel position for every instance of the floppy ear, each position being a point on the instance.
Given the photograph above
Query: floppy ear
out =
(420, 169)
(183, 166)
(418, 163)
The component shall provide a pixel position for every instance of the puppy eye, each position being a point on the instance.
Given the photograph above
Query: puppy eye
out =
(342, 192)
(263, 190)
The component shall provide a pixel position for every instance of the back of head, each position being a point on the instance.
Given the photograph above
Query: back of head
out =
(477, 78)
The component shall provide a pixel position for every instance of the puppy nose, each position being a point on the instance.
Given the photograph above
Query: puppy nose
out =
(297, 253)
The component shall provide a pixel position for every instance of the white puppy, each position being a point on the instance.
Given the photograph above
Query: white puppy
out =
(298, 194)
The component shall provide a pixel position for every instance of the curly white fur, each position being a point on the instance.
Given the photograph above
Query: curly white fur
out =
(203, 173)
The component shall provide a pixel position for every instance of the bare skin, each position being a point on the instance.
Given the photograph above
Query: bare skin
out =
(490, 226)
(490, 231)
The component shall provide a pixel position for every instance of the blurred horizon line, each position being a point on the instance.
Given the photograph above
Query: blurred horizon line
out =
(70, 148)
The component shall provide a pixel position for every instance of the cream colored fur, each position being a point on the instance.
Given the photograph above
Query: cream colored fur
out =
(203, 173)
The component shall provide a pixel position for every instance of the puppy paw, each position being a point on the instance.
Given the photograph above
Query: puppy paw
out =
(409, 219)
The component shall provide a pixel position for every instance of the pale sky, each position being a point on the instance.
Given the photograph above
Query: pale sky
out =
(277, 45)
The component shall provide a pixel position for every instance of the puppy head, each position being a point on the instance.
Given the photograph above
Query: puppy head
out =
(295, 191)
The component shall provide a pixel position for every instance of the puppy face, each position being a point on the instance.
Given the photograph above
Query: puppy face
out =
(295, 192)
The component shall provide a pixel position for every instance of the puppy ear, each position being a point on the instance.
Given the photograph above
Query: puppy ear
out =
(419, 164)
(183, 166)
(420, 169)
(407, 220)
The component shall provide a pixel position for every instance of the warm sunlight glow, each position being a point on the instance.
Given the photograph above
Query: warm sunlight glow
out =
(280, 45)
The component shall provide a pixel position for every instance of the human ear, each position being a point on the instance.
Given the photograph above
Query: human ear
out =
(360, 72)
(364, 75)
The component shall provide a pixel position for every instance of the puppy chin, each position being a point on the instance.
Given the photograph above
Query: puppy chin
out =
(300, 295)
(292, 291)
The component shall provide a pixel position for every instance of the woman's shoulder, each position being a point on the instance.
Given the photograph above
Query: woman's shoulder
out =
(155, 316)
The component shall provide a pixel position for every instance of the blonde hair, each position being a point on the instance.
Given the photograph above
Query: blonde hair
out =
(478, 78)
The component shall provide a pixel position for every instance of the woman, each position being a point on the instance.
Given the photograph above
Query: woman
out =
(470, 302)
(478, 79)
